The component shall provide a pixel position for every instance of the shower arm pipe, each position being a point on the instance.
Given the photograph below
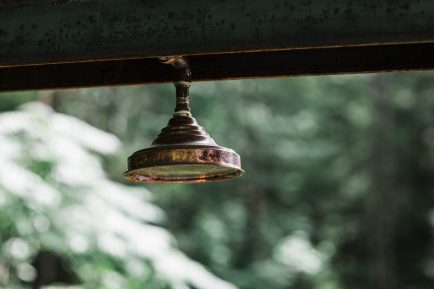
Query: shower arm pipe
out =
(182, 82)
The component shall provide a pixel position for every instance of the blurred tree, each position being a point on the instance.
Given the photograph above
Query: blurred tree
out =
(63, 221)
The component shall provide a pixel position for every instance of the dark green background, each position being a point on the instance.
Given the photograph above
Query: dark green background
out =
(347, 161)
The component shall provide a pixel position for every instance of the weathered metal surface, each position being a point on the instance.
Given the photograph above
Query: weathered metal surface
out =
(183, 152)
(192, 164)
(48, 31)
(223, 66)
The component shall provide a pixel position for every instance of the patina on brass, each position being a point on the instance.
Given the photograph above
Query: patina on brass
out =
(183, 152)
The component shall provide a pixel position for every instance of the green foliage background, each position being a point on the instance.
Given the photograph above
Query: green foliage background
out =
(347, 162)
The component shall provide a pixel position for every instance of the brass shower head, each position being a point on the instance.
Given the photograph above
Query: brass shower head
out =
(183, 152)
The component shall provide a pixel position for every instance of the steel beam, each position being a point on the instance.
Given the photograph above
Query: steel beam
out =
(59, 31)
(222, 66)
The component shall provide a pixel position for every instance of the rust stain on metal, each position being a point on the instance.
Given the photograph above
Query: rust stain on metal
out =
(57, 31)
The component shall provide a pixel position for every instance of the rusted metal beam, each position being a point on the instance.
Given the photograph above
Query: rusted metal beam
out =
(59, 31)
(222, 66)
